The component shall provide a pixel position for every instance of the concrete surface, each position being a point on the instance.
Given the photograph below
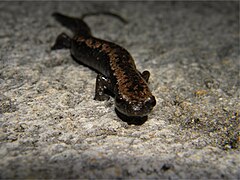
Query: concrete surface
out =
(50, 126)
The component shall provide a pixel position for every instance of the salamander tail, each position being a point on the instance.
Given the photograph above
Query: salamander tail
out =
(105, 13)
(63, 41)
(77, 25)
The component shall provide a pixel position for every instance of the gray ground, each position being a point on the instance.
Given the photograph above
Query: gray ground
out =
(50, 126)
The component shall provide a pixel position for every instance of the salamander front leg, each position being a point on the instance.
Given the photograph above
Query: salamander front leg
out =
(146, 75)
(102, 84)
(63, 41)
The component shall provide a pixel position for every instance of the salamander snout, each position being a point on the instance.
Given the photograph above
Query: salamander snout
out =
(135, 108)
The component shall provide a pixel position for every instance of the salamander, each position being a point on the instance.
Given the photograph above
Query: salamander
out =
(117, 72)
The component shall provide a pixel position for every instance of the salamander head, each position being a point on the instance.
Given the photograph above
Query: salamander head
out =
(135, 107)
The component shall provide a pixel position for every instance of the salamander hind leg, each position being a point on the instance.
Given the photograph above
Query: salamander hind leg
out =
(145, 75)
(102, 84)
(63, 41)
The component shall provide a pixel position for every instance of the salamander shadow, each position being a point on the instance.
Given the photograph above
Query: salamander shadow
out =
(135, 120)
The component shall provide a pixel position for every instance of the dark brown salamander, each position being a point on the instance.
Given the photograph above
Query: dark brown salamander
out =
(116, 69)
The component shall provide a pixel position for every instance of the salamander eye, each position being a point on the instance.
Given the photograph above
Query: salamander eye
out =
(118, 99)
(151, 102)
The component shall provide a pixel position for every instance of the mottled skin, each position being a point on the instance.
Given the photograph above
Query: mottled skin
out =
(116, 68)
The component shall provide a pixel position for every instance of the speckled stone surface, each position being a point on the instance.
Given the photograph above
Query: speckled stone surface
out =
(50, 126)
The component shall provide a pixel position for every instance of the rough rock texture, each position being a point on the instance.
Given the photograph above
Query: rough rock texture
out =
(50, 126)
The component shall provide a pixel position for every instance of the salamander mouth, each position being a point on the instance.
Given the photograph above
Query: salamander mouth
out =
(135, 111)
(135, 108)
